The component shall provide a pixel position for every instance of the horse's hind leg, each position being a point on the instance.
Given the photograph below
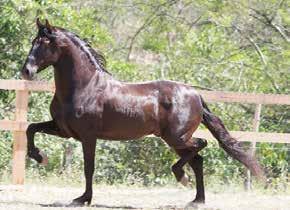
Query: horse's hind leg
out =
(196, 164)
(177, 170)
(187, 154)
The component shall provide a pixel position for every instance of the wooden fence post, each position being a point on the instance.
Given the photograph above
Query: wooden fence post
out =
(256, 124)
(19, 138)
(67, 156)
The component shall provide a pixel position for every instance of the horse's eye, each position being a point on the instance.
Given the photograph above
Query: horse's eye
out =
(46, 41)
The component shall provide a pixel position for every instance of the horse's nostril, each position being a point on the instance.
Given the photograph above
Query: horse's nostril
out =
(26, 71)
(26, 74)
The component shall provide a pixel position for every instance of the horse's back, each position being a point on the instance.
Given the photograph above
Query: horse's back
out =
(164, 86)
(170, 94)
(179, 106)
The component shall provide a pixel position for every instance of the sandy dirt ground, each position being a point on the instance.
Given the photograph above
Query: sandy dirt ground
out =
(32, 197)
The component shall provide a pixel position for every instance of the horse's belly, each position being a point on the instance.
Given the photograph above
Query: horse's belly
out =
(110, 124)
(118, 125)
(115, 128)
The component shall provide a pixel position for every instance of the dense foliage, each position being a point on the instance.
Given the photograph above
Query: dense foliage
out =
(223, 45)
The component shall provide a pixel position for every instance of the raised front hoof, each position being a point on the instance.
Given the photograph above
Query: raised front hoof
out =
(39, 156)
(44, 158)
(184, 180)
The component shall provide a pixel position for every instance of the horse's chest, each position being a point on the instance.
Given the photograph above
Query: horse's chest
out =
(76, 120)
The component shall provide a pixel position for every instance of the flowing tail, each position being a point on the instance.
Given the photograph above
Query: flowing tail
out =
(228, 143)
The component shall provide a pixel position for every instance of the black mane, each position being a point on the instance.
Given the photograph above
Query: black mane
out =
(98, 56)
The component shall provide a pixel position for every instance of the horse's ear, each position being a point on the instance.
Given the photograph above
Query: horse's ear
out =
(38, 23)
(47, 24)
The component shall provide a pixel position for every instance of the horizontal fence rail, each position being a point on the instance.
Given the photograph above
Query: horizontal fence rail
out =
(209, 96)
(239, 135)
(19, 125)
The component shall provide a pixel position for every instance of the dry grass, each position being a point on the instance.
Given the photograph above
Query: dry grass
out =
(32, 197)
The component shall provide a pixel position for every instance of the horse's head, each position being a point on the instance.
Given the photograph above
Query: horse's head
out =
(45, 50)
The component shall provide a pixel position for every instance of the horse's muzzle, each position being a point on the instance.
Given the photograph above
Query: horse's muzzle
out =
(27, 74)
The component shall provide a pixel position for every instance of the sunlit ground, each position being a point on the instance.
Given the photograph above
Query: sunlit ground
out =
(38, 196)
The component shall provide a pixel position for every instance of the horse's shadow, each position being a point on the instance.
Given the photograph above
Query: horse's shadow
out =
(64, 205)
(103, 206)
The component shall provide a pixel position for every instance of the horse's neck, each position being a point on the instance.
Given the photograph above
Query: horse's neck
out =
(71, 76)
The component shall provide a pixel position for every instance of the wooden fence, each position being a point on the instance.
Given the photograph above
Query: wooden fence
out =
(19, 125)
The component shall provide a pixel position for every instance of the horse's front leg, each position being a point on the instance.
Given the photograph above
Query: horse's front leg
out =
(48, 127)
(89, 148)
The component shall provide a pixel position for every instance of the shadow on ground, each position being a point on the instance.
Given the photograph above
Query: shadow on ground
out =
(94, 205)
(102, 206)
(64, 205)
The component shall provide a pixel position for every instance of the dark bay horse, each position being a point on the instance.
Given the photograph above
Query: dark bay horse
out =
(89, 104)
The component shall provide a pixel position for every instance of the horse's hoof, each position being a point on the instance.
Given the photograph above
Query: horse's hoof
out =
(44, 157)
(191, 205)
(199, 201)
(75, 204)
(184, 180)
(194, 204)
(80, 201)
